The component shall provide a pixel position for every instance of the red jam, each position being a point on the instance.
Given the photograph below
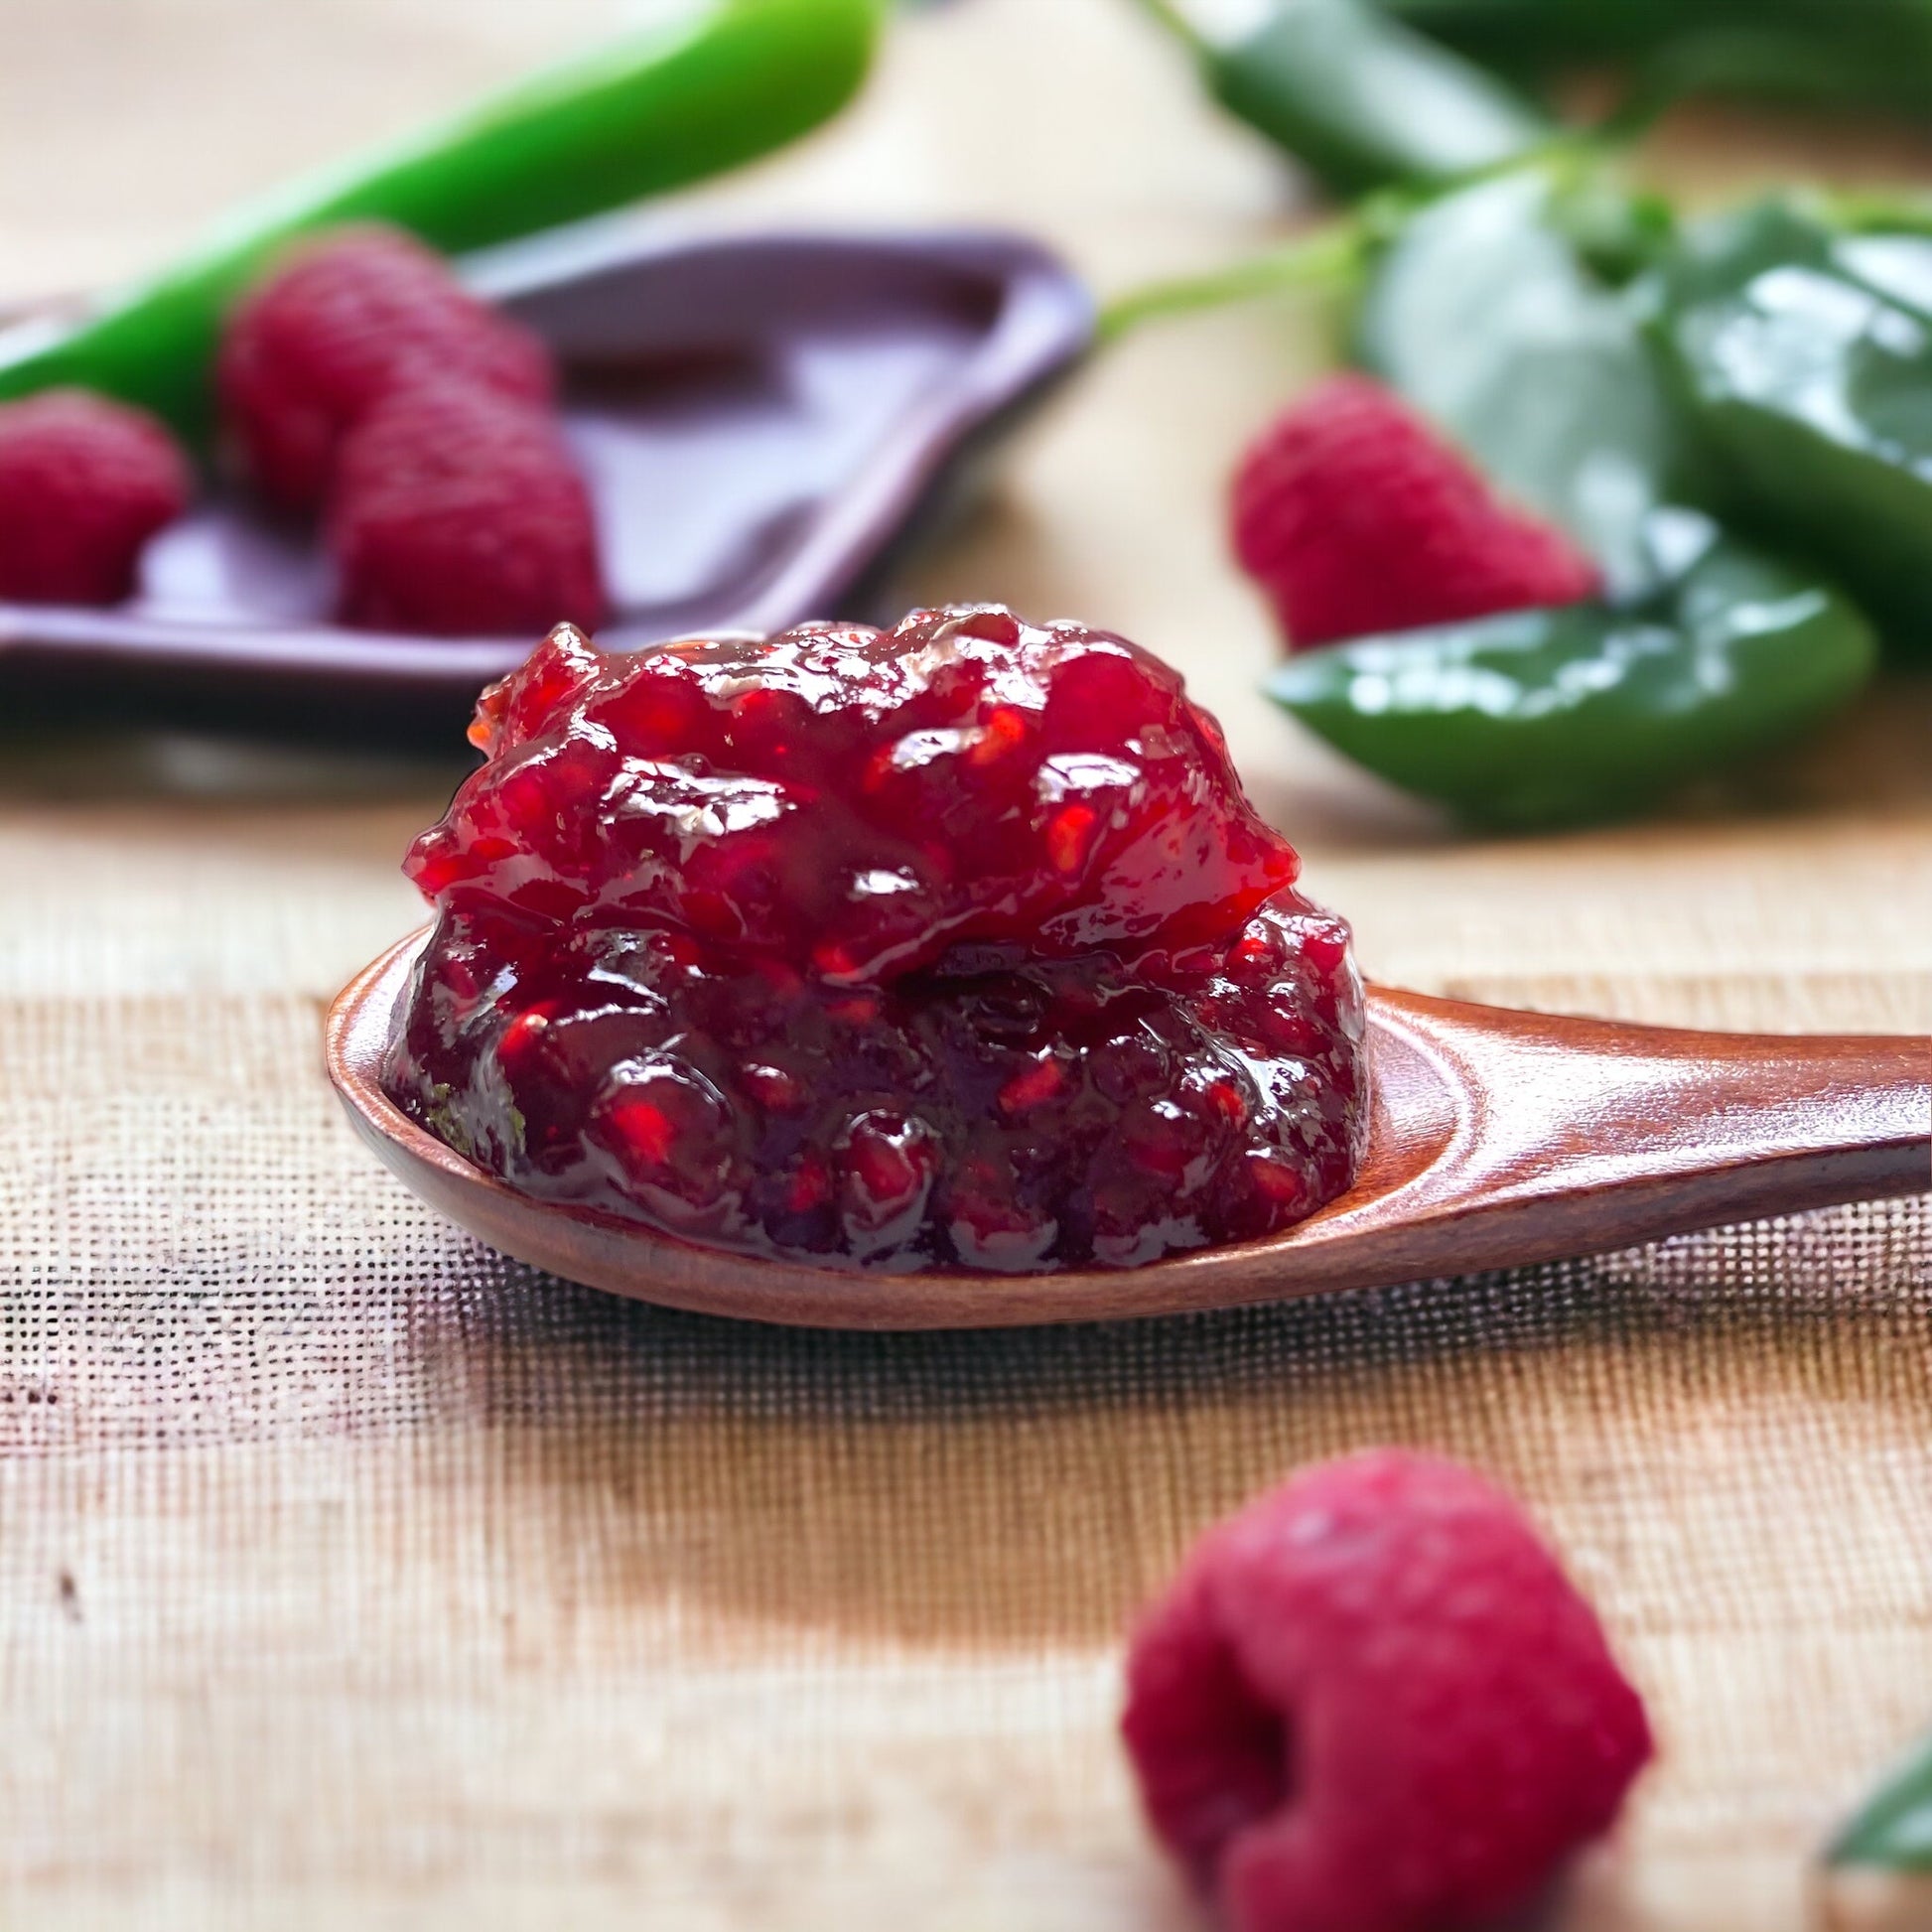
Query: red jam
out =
(954, 945)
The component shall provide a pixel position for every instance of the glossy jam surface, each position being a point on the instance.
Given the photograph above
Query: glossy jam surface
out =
(855, 802)
(955, 945)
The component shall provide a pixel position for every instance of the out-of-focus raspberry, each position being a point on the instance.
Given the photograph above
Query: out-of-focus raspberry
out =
(1356, 517)
(84, 483)
(460, 513)
(335, 330)
(1372, 1701)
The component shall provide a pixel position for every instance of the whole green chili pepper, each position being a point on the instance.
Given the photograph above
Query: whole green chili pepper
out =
(646, 114)
(1800, 351)
(1352, 93)
(1871, 51)
(1541, 717)
(1371, 92)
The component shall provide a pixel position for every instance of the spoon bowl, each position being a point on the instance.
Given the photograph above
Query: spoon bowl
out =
(1496, 1139)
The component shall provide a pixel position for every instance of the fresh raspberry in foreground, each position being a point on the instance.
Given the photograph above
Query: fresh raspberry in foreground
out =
(340, 325)
(84, 483)
(458, 513)
(956, 945)
(1372, 1701)
(1358, 518)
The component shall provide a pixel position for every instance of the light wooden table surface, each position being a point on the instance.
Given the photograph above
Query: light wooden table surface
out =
(142, 878)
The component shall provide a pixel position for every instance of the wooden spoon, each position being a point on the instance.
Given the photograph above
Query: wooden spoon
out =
(1497, 1139)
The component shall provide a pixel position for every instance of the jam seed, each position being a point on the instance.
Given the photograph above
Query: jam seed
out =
(1032, 1086)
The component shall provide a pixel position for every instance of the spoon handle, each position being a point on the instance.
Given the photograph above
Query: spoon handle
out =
(1593, 1133)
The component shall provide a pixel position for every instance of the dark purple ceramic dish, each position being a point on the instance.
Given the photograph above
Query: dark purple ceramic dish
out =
(761, 417)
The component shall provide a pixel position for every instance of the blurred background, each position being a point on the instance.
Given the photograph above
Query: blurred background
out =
(352, 1577)
(126, 127)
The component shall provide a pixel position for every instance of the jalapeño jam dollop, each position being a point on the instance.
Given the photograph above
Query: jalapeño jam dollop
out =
(954, 945)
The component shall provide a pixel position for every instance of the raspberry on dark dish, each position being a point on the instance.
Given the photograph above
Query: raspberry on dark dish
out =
(1357, 518)
(84, 483)
(460, 513)
(338, 327)
(954, 945)
(1372, 1701)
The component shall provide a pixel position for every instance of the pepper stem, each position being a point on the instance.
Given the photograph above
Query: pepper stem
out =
(1170, 16)
(1326, 259)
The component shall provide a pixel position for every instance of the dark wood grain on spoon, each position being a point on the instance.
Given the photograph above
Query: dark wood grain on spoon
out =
(1498, 1140)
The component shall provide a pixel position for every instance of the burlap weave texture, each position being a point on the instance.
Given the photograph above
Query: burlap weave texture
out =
(350, 1575)
(352, 1578)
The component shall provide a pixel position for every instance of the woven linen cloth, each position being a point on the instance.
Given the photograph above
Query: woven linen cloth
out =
(354, 1579)
(354, 1575)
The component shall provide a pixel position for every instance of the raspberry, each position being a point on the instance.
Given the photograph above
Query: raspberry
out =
(460, 513)
(336, 328)
(1356, 517)
(84, 483)
(1372, 1701)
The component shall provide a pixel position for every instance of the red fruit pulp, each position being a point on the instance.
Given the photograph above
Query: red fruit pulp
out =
(956, 944)
(855, 801)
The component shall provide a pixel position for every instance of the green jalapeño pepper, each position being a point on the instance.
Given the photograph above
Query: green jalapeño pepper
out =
(1892, 1830)
(1800, 348)
(1353, 94)
(1501, 313)
(1489, 311)
(1513, 311)
(1541, 717)
(1877, 1868)
(1874, 52)
(645, 114)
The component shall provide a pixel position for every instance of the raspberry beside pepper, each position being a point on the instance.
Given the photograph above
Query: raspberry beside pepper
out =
(1356, 517)
(341, 324)
(649, 113)
(1481, 675)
